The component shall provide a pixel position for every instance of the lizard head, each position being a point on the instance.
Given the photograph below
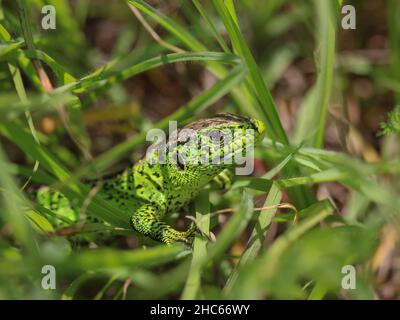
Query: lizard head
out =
(207, 146)
(228, 123)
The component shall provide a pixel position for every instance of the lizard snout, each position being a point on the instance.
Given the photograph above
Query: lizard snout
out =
(259, 127)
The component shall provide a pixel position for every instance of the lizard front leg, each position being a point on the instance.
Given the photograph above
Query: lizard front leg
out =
(146, 222)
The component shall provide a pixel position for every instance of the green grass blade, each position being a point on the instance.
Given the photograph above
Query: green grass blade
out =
(268, 110)
(211, 25)
(314, 111)
(258, 235)
(170, 25)
(242, 97)
(251, 282)
(108, 76)
(193, 282)
(196, 105)
(120, 262)
(233, 228)
(13, 207)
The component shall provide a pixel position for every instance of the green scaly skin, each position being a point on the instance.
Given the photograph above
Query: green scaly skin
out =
(150, 190)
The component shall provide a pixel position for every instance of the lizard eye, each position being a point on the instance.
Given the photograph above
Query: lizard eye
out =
(217, 136)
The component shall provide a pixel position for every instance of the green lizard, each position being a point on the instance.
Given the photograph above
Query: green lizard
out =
(152, 188)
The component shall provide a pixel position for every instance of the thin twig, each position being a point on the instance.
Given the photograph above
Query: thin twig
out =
(277, 206)
(232, 210)
(127, 283)
(152, 32)
(86, 202)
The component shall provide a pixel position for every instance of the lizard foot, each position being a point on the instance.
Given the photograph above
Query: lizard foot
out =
(171, 236)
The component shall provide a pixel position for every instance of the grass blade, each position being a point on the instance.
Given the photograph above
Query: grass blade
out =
(258, 234)
(193, 282)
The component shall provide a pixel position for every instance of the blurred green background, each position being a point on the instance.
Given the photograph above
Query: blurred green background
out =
(77, 101)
